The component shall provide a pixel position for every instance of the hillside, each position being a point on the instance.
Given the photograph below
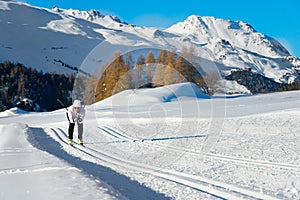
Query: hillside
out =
(188, 147)
(66, 40)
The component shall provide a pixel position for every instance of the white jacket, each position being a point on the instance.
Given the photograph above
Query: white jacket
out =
(74, 116)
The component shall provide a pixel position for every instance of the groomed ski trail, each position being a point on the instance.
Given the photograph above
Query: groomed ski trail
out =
(244, 161)
(202, 184)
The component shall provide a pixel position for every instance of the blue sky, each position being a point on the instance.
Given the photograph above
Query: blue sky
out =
(278, 19)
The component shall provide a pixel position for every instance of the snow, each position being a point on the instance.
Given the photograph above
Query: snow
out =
(29, 173)
(230, 87)
(157, 95)
(152, 147)
(235, 44)
(65, 25)
(71, 36)
(12, 112)
(4, 5)
(168, 142)
(211, 28)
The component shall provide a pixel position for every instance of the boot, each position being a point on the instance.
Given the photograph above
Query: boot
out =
(70, 141)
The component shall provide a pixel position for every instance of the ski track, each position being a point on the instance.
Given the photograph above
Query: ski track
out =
(244, 161)
(4, 152)
(120, 135)
(202, 184)
(33, 169)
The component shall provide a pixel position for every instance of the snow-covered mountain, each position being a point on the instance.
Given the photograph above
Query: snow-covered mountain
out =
(60, 40)
(92, 16)
(236, 44)
(228, 34)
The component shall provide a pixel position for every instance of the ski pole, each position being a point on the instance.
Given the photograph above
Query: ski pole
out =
(61, 103)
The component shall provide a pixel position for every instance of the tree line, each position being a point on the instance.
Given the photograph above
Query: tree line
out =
(18, 81)
(254, 82)
(258, 83)
(291, 86)
(124, 72)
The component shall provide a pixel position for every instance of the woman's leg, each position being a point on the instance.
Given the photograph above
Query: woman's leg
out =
(71, 130)
(80, 131)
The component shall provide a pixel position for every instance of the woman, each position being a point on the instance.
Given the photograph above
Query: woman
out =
(76, 114)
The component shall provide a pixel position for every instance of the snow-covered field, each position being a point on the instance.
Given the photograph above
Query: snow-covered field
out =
(157, 144)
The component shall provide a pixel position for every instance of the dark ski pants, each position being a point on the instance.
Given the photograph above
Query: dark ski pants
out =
(71, 130)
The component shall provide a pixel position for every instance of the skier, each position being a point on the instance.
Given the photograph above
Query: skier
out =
(76, 114)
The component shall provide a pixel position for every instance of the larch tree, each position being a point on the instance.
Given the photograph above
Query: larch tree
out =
(150, 66)
(139, 70)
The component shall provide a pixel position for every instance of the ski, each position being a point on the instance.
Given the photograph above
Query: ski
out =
(72, 143)
(75, 145)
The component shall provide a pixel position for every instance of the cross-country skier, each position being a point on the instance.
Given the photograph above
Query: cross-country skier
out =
(76, 113)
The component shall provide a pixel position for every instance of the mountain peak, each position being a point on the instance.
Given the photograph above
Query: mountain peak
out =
(194, 23)
(92, 16)
(209, 30)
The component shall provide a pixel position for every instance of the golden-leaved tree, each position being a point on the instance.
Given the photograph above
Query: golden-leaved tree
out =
(168, 68)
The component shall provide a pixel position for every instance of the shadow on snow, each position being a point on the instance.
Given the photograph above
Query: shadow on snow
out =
(124, 185)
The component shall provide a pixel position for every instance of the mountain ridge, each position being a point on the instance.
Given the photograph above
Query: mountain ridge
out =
(92, 16)
(70, 35)
(208, 26)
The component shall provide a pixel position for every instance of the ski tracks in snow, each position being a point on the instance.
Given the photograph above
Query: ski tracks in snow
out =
(215, 188)
(54, 141)
(125, 138)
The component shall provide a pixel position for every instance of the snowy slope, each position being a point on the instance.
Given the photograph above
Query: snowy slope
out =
(155, 150)
(156, 95)
(29, 173)
(207, 29)
(93, 16)
(39, 38)
(53, 39)
(236, 44)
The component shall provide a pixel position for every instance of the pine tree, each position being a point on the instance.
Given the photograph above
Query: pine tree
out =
(5, 97)
(21, 85)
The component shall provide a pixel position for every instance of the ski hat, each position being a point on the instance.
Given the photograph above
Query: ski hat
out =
(77, 103)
